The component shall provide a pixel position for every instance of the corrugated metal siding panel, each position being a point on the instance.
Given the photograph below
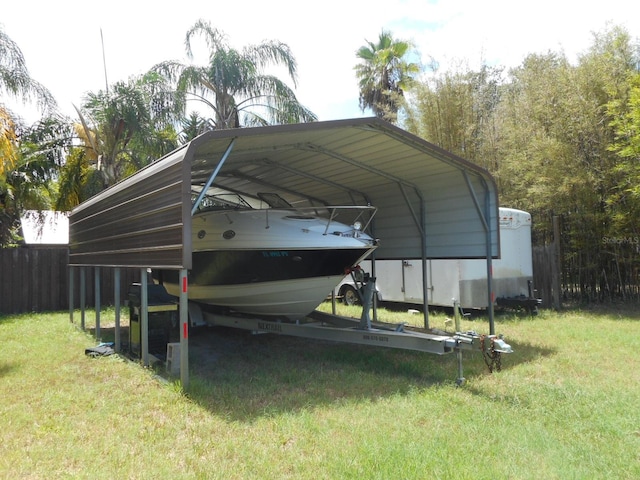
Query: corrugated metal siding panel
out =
(138, 222)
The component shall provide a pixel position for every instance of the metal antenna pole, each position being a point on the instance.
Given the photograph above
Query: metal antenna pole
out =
(104, 63)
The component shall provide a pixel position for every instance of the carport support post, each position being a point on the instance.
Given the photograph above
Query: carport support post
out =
(116, 301)
(456, 312)
(144, 317)
(490, 292)
(71, 275)
(96, 279)
(425, 284)
(485, 215)
(83, 295)
(184, 330)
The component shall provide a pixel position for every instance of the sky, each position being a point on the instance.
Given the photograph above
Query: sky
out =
(62, 46)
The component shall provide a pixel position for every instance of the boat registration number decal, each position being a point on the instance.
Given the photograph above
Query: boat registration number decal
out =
(275, 254)
(270, 327)
(375, 338)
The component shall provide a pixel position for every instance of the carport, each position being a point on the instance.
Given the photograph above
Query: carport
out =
(431, 203)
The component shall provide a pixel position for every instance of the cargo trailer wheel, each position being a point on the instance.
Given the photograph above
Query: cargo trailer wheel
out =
(350, 296)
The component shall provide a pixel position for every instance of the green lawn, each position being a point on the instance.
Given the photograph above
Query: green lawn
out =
(566, 405)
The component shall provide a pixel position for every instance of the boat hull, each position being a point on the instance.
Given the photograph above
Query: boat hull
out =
(238, 267)
(290, 299)
(284, 283)
(277, 265)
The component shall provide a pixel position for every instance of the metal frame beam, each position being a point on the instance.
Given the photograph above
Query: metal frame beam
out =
(212, 177)
(483, 215)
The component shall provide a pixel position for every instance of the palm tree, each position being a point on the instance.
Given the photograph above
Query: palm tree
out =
(234, 85)
(384, 75)
(8, 142)
(22, 171)
(194, 125)
(126, 128)
(15, 80)
(29, 183)
(8, 160)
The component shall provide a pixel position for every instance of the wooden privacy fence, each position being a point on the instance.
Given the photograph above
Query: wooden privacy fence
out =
(607, 278)
(36, 279)
(546, 275)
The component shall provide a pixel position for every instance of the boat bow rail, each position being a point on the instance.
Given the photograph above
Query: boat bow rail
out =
(359, 216)
(355, 223)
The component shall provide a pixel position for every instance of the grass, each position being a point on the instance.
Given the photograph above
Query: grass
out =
(565, 405)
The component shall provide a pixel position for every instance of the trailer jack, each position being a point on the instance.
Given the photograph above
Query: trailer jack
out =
(491, 346)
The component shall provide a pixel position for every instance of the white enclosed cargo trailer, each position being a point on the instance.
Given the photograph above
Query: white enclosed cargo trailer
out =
(462, 280)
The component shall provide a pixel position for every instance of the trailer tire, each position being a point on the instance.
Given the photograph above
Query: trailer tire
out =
(350, 296)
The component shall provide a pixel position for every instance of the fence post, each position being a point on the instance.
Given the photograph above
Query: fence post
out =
(96, 292)
(116, 302)
(83, 293)
(71, 294)
(555, 262)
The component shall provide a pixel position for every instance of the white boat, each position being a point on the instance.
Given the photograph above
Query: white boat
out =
(278, 261)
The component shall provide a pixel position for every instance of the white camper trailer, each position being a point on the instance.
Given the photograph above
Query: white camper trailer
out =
(463, 280)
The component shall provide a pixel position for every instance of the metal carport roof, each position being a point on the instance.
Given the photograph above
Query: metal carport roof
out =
(431, 203)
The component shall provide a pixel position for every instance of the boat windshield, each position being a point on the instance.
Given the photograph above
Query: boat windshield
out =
(221, 201)
(216, 199)
(274, 200)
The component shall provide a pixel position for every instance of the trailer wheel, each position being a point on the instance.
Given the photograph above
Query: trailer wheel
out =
(350, 296)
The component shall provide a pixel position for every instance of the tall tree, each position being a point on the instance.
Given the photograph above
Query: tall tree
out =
(8, 161)
(456, 111)
(126, 128)
(21, 175)
(194, 125)
(616, 60)
(15, 80)
(555, 137)
(8, 143)
(29, 184)
(234, 84)
(561, 139)
(624, 200)
(384, 74)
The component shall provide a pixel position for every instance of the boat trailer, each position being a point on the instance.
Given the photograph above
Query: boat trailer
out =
(325, 326)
